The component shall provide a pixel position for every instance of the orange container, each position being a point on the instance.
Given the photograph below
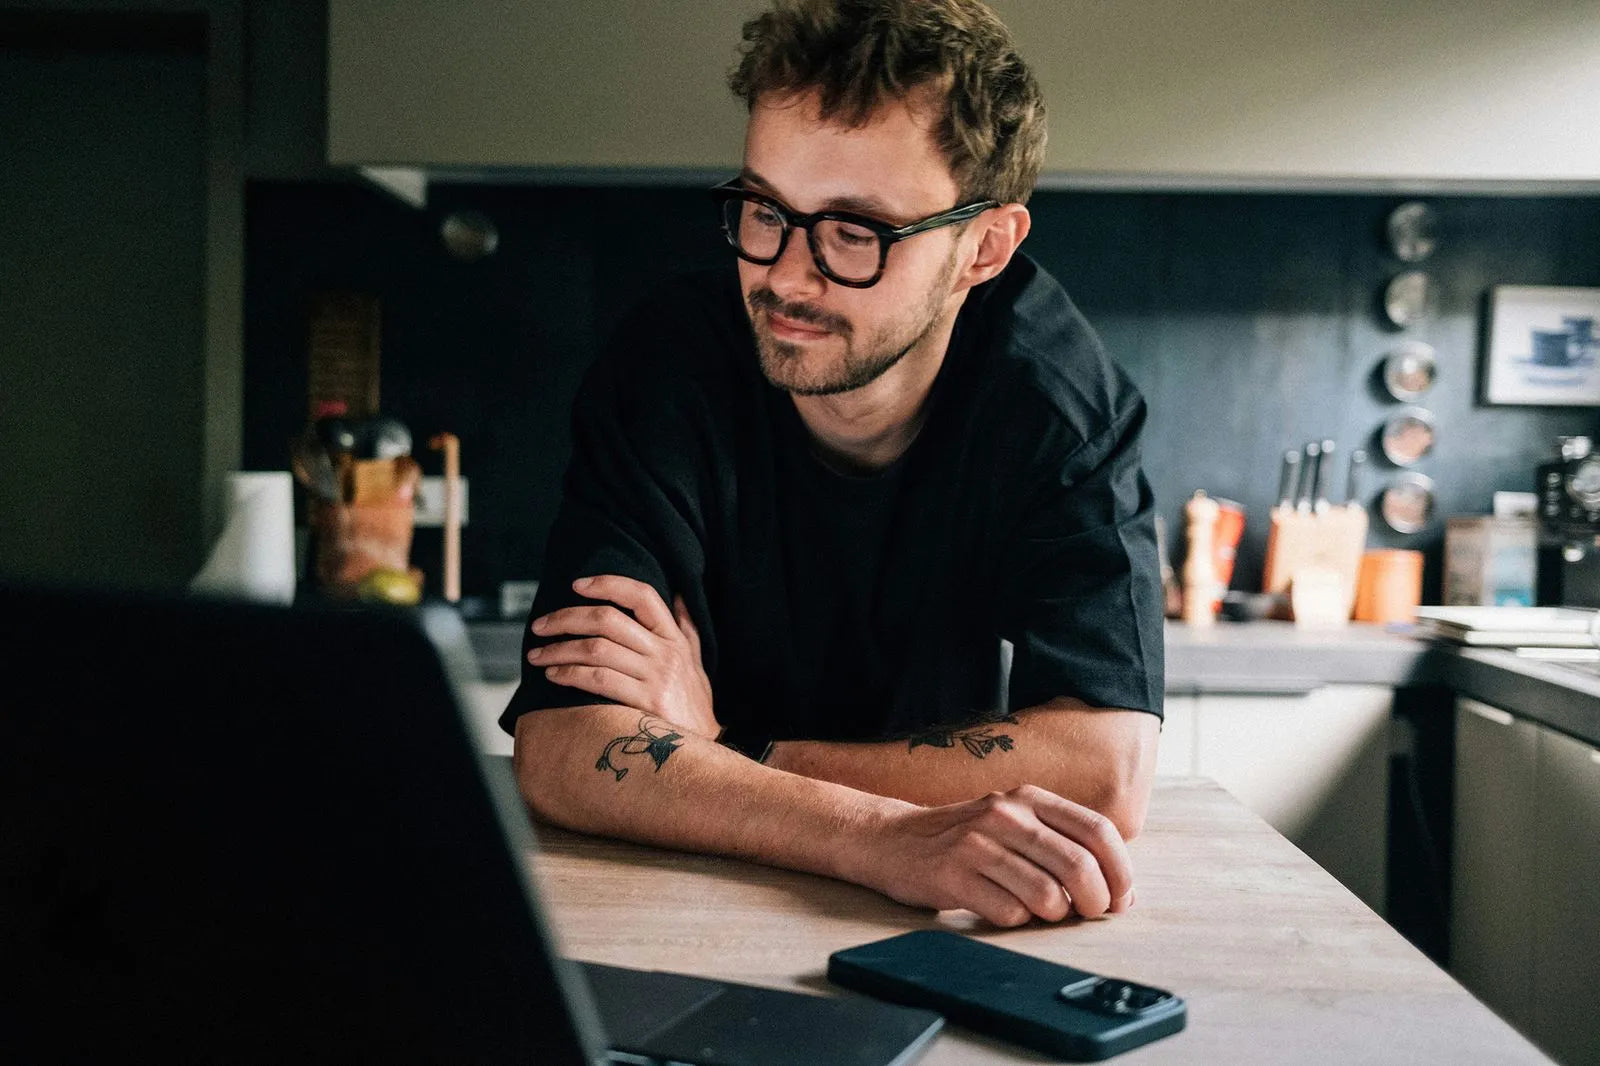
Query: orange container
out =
(1389, 585)
(1225, 543)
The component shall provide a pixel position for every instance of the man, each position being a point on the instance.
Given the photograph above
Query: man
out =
(807, 503)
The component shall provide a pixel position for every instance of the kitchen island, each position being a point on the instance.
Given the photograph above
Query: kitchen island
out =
(1435, 782)
(1277, 961)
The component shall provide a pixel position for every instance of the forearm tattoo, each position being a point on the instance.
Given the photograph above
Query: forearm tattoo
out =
(979, 740)
(654, 739)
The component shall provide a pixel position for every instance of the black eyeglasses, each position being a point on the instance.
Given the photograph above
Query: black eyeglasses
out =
(849, 249)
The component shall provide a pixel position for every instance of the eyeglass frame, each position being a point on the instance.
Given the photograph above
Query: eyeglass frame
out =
(792, 220)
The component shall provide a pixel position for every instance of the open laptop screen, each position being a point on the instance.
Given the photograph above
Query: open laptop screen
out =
(244, 833)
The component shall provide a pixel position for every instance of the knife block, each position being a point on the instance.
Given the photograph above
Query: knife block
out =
(1328, 540)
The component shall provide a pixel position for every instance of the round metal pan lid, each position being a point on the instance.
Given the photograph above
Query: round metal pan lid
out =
(1409, 370)
(1412, 229)
(1407, 504)
(1409, 298)
(1407, 436)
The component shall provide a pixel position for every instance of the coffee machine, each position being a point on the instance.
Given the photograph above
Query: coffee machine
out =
(1568, 561)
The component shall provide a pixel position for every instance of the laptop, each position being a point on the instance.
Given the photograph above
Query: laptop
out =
(237, 832)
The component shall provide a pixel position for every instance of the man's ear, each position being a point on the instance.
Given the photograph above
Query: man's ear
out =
(1004, 228)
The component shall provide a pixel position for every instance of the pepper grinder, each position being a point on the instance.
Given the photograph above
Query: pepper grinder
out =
(1199, 566)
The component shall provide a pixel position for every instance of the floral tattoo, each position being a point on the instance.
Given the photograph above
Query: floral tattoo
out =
(647, 741)
(979, 740)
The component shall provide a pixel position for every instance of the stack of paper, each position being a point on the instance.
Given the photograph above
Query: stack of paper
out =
(1513, 627)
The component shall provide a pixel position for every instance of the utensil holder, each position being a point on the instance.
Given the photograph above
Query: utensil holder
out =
(1329, 542)
(354, 539)
(369, 527)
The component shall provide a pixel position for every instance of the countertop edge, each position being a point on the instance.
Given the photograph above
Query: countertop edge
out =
(1276, 658)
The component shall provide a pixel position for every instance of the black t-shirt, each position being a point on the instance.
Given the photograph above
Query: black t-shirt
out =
(834, 607)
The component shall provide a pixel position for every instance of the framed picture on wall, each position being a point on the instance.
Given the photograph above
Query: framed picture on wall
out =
(1543, 346)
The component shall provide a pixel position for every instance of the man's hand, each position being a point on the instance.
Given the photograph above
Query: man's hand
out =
(1008, 856)
(650, 662)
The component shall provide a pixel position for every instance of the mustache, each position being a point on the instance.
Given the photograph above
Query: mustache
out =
(764, 299)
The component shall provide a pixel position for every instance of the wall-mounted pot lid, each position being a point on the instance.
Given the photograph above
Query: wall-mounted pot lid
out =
(1407, 436)
(1413, 231)
(1407, 503)
(1409, 370)
(1409, 298)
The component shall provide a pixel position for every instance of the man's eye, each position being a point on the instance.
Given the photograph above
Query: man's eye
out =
(765, 216)
(855, 235)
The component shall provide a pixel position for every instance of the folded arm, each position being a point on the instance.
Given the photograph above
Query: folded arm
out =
(1101, 758)
(651, 772)
(615, 771)
(1008, 857)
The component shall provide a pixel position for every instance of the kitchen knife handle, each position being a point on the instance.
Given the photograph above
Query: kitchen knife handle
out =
(1309, 468)
(1352, 491)
(1319, 500)
(1289, 479)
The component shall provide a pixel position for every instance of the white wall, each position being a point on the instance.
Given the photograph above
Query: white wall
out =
(1475, 89)
(1255, 90)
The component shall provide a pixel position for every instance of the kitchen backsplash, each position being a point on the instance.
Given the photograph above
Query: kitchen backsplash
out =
(1252, 322)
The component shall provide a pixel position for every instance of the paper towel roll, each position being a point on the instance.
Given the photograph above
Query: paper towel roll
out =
(253, 559)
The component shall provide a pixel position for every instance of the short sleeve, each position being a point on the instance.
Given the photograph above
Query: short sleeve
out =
(1081, 590)
(632, 504)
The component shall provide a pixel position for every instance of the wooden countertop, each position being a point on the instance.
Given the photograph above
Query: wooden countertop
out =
(1278, 962)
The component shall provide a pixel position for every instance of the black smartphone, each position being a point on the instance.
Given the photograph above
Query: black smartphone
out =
(1072, 1014)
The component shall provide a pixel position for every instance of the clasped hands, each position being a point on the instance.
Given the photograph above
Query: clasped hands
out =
(649, 661)
(1008, 856)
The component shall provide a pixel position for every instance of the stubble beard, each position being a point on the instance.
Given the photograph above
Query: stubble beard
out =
(859, 365)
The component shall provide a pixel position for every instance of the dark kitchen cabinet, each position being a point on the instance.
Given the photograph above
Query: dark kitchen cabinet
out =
(1526, 878)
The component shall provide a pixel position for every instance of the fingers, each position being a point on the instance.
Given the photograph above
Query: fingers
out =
(638, 597)
(1126, 903)
(601, 681)
(601, 620)
(1090, 829)
(1066, 863)
(1076, 846)
(592, 651)
(997, 905)
(1030, 887)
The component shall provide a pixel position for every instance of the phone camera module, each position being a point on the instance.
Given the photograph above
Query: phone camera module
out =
(1116, 997)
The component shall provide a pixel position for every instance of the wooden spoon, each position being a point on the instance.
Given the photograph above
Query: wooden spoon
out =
(451, 446)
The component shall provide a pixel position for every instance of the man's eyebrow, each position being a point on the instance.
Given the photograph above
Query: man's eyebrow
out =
(865, 205)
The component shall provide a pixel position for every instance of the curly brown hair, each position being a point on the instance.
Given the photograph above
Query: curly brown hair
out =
(857, 53)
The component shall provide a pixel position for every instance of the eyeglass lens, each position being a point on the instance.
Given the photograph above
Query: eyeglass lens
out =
(850, 252)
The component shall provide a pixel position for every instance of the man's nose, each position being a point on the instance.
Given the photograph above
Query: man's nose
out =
(795, 274)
